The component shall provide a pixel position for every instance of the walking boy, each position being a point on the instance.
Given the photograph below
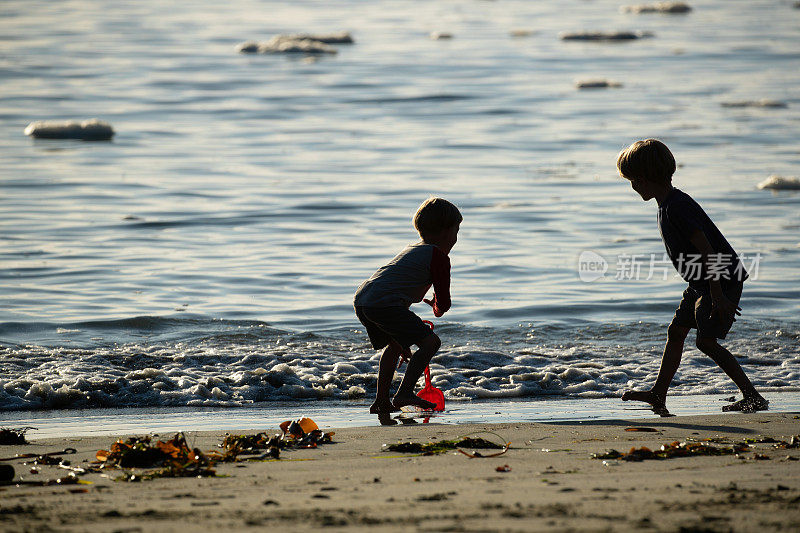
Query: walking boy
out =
(382, 303)
(705, 260)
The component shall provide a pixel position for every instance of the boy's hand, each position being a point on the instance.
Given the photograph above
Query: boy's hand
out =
(436, 311)
(720, 305)
(405, 355)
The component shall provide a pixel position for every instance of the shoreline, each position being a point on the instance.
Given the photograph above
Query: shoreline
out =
(552, 482)
(354, 413)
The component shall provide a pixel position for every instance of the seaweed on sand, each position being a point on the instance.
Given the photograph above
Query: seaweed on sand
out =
(671, 451)
(302, 433)
(236, 445)
(173, 458)
(13, 435)
(442, 446)
(793, 442)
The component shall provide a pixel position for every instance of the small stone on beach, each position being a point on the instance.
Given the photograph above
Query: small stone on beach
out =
(88, 130)
(6, 473)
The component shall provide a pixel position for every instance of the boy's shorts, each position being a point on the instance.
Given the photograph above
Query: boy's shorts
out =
(694, 311)
(385, 324)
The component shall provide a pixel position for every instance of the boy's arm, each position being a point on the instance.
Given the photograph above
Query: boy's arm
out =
(440, 274)
(719, 302)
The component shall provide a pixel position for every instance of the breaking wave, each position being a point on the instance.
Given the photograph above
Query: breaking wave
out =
(152, 361)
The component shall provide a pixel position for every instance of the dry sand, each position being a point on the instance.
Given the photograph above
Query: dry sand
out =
(553, 484)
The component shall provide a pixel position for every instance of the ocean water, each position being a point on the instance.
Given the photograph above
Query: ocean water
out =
(207, 256)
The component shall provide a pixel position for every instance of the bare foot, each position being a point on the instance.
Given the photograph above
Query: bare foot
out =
(386, 420)
(412, 399)
(378, 408)
(748, 404)
(655, 401)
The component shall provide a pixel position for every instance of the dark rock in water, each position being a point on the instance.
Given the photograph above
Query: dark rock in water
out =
(755, 103)
(604, 36)
(658, 7)
(88, 130)
(298, 43)
(440, 35)
(597, 84)
(281, 44)
(342, 37)
(249, 47)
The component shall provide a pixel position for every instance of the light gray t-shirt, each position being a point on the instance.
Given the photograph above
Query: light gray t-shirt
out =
(406, 279)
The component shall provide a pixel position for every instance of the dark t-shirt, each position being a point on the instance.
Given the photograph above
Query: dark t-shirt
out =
(679, 217)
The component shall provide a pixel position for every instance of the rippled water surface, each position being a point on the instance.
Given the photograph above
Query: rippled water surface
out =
(209, 253)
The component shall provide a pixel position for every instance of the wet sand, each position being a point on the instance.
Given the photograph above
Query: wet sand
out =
(553, 484)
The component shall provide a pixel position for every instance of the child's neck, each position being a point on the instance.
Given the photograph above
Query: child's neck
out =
(661, 193)
(439, 243)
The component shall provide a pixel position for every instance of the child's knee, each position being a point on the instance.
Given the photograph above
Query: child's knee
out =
(677, 332)
(706, 344)
(395, 346)
(431, 342)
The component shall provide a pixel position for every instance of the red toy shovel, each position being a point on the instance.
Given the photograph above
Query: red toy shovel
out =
(429, 392)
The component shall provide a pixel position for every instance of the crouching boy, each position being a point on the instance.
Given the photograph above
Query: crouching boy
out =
(382, 303)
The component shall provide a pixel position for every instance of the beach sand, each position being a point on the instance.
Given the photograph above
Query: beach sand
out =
(553, 484)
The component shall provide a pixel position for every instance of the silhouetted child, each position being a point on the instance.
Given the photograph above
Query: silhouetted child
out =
(382, 303)
(704, 259)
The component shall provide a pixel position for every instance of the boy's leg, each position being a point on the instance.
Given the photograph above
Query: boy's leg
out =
(388, 361)
(673, 351)
(752, 400)
(416, 365)
(386, 369)
(711, 325)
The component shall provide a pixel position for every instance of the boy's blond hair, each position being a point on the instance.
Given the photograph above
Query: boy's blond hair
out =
(649, 159)
(435, 215)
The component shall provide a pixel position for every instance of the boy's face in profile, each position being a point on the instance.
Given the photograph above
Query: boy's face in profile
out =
(450, 237)
(454, 234)
(643, 187)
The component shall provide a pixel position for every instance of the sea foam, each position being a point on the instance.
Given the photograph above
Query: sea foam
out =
(227, 369)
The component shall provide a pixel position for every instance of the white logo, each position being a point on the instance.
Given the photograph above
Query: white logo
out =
(591, 266)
